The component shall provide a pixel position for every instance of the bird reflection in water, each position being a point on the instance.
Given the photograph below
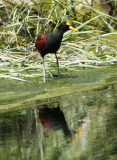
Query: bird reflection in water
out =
(53, 118)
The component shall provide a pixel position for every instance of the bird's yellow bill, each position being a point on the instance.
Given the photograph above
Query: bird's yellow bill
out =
(72, 28)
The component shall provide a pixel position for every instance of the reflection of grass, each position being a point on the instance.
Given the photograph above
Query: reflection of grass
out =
(93, 46)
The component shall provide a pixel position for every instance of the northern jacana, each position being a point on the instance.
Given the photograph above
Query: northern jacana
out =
(50, 42)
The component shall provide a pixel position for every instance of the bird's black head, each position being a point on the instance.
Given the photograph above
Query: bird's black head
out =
(65, 26)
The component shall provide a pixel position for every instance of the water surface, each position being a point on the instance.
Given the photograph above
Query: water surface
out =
(70, 118)
(78, 126)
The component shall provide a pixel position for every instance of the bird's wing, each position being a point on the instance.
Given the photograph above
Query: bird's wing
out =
(41, 41)
(51, 38)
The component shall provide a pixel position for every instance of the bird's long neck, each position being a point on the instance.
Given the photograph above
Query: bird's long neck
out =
(59, 34)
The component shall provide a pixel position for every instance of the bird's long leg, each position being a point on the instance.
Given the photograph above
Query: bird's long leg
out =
(57, 65)
(43, 69)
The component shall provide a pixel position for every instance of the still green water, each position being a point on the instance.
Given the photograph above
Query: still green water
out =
(72, 118)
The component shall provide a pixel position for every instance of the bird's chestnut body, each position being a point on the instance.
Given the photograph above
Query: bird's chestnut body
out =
(48, 42)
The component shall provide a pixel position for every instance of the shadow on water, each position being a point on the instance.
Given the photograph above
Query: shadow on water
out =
(61, 76)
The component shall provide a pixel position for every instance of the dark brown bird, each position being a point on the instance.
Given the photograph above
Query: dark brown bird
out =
(50, 42)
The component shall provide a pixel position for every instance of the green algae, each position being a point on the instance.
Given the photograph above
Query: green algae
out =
(17, 95)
